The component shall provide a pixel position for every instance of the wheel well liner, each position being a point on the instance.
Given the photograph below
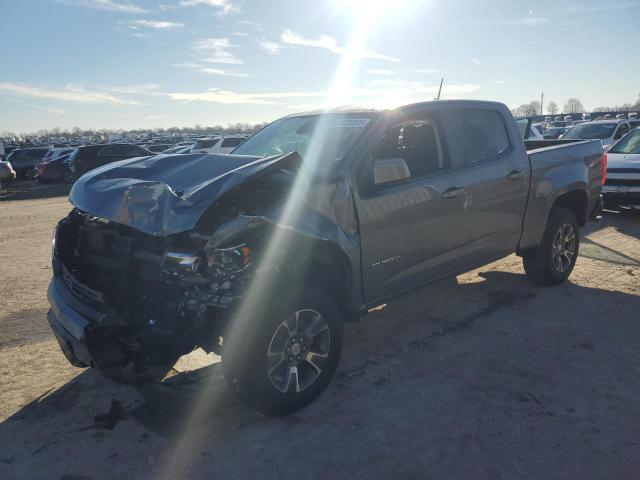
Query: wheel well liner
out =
(327, 267)
(576, 201)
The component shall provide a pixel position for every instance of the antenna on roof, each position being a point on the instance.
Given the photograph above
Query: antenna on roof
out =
(440, 89)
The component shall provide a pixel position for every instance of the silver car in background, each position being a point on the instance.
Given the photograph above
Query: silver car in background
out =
(622, 186)
(608, 131)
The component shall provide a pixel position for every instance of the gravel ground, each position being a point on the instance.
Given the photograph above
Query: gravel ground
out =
(484, 376)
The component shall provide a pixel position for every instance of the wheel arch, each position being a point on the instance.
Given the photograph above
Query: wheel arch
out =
(576, 201)
(327, 266)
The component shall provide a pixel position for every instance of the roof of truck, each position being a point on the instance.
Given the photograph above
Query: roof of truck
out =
(355, 109)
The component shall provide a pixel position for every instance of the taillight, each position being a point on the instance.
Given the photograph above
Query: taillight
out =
(41, 168)
(604, 166)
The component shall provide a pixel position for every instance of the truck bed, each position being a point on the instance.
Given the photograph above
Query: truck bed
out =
(563, 166)
(538, 144)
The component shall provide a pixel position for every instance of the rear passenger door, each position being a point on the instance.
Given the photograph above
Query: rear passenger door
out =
(496, 176)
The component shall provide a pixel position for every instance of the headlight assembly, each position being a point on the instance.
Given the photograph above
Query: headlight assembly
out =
(226, 262)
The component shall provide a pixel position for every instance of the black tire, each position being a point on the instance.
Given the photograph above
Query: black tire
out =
(552, 262)
(248, 354)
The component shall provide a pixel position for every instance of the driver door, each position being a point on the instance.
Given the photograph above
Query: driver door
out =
(415, 229)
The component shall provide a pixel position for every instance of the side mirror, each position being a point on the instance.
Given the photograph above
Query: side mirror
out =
(387, 170)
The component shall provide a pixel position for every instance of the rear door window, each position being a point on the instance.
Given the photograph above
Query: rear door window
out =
(481, 134)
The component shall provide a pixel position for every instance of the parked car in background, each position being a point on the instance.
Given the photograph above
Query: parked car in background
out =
(535, 132)
(25, 161)
(201, 145)
(7, 173)
(55, 153)
(162, 256)
(223, 144)
(56, 170)
(556, 124)
(622, 186)
(608, 131)
(158, 147)
(553, 133)
(634, 123)
(529, 130)
(88, 157)
(179, 149)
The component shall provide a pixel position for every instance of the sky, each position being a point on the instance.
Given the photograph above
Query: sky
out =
(125, 64)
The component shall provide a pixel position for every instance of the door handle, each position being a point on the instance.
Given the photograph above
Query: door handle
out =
(515, 175)
(451, 192)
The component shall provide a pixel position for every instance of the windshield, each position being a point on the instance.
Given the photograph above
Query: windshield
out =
(629, 144)
(295, 134)
(591, 131)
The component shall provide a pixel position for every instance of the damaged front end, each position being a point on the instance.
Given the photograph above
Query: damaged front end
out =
(131, 302)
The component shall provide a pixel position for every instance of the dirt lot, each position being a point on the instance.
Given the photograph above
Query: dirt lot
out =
(486, 377)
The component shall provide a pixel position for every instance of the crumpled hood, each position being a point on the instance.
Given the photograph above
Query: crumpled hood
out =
(164, 194)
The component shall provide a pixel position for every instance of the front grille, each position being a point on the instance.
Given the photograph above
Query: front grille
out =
(117, 265)
(80, 290)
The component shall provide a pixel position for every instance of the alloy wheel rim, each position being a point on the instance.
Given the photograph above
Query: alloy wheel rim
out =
(298, 351)
(564, 247)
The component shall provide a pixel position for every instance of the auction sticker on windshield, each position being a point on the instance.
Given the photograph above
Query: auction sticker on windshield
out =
(351, 122)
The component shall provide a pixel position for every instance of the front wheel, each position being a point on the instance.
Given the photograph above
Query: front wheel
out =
(553, 260)
(288, 357)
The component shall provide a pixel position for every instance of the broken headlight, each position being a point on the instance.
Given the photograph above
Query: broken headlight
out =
(228, 262)
(181, 263)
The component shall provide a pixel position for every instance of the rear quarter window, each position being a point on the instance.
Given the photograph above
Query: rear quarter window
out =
(481, 134)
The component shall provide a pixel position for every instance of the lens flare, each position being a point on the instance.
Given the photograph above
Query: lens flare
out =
(365, 14)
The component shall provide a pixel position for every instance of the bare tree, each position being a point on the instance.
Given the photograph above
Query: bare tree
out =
(573, 105)
(552, 108)
(527, 109)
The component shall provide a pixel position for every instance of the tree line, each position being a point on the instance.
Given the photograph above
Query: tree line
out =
(198, 129)
(573, 105)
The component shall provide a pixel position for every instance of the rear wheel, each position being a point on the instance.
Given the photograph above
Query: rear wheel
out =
(553, 260)
(289, 356)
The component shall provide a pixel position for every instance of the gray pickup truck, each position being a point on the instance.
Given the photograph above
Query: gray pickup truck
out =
(261, 256)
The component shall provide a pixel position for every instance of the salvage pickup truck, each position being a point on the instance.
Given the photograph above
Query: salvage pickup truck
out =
(262, 255)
